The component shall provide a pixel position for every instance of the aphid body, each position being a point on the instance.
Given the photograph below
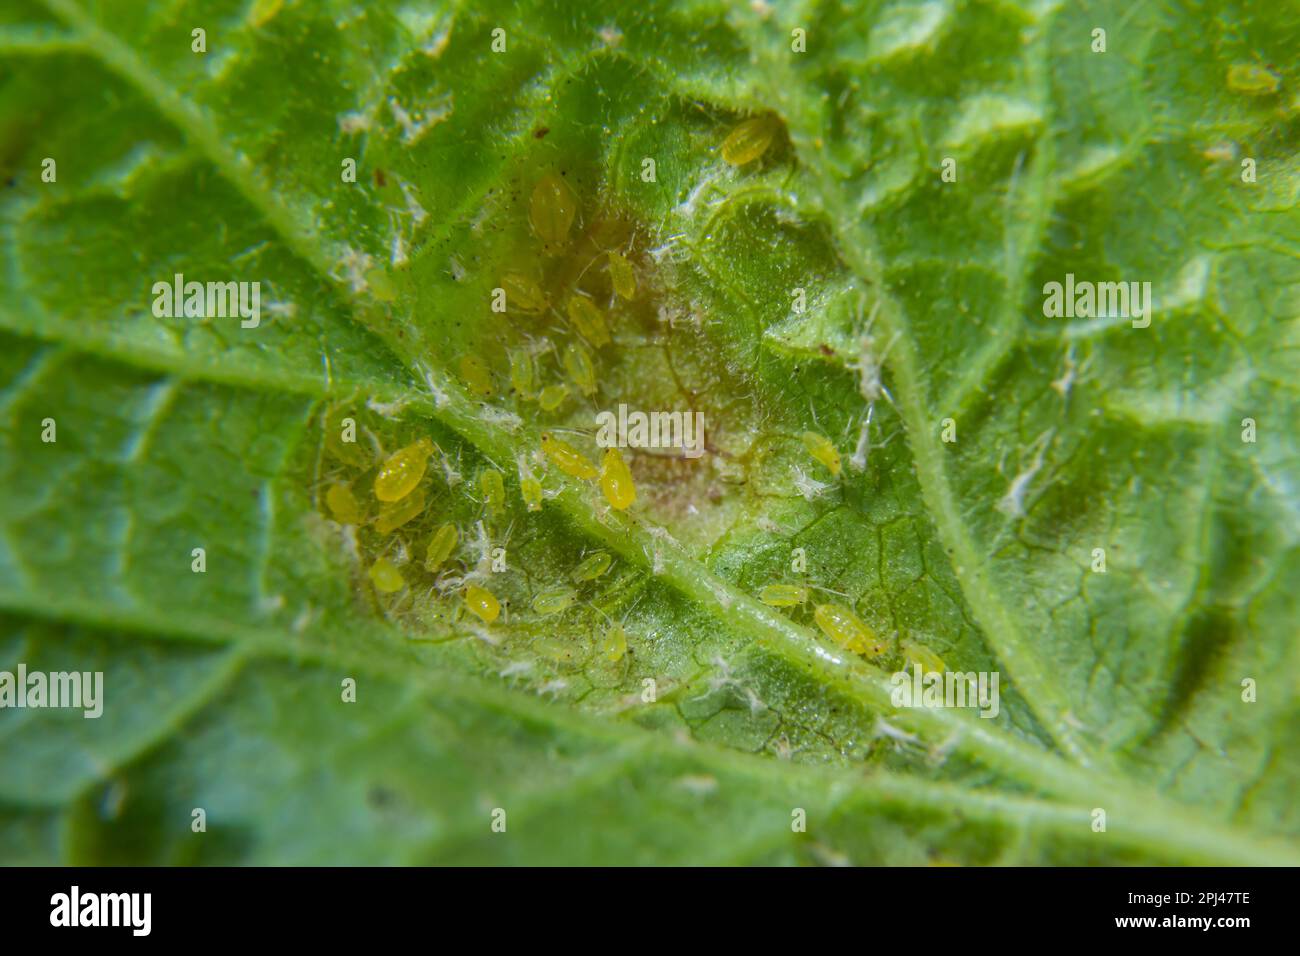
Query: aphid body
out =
(494, 492)
(554, 600)
(592, 566)
(577, 362)
(476, 376)
(343, 504)
(552, 209)
(821, 448)
(441, 546)
(399, 513)
(919, 654)
(616, 480)
(403, 471)
(552, 397)
(381, 285)
(783, 595)
(750, 140)
(482, 603)
(385, 576)
(588, 320)
(521, 373)
(845, 628)
(614, 646)
(621, 276)
(530, 489)
(522, 293)
(1252, 79)
(568, 459)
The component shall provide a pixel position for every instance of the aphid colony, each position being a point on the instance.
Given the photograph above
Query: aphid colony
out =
(396, 489)
(844, 628)
(563, 302)
(400, 498)
(836, 621)
(566, 303)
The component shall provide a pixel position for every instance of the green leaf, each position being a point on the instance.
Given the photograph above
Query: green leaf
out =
(839, 284)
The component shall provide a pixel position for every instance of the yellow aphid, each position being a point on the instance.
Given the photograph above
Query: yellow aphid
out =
(348, 452)
(621, 276)
(441, 546)
(552, 397)
(385, 576)
(588, 320)
(482, 603)
(493, 487)
(919, 654)
(521, 373)
(821, 448)
(554, 600)
(396, 515)
(403, 471)
(750, 140)
(530, 489)
(592, 566)
(1252, 79)
(552, 209)
(343, 504)
(577, 362)
(264, 11)
(783, 595)
(556, 649)
(567, 458)
(522, 293)
(845, 628)
(616, 480)
(614, 646)
(1221, 152)
(476, 376)
(380, 285)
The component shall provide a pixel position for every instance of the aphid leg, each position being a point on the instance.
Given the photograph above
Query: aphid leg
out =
(858, 461)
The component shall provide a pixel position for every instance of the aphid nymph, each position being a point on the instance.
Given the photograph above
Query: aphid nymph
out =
(403, 470)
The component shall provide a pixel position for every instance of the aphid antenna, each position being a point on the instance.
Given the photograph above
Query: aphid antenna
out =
(585, 433)
(888, 438)
(448, 470)
(599, 611)
(403, 603)
(539, 345)
(628, 612)
(578, 277)
(818, 587)
(484, 541)
(374, 441)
